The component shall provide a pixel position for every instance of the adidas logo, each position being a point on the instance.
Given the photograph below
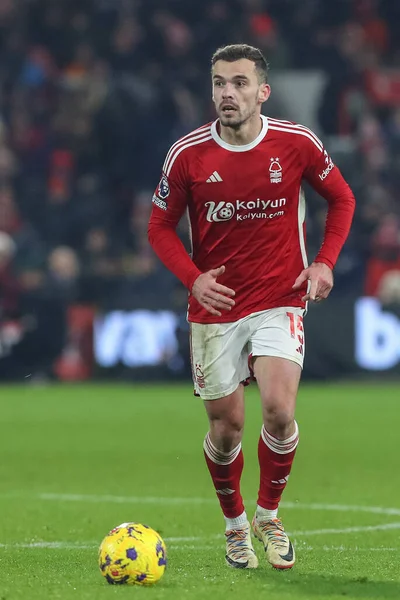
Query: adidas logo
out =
(281, 481)
(214, 178)
(225, 492)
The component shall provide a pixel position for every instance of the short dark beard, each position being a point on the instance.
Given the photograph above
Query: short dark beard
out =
(236, 126)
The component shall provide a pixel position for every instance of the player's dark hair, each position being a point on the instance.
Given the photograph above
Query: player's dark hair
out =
(235, 52)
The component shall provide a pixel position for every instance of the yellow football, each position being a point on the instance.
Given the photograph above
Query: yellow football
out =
(132, 554)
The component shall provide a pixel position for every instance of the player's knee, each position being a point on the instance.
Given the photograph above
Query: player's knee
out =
(226, 418)
(279, 421)
(226, 432)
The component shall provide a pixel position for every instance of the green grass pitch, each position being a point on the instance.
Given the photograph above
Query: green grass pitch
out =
(79, 460)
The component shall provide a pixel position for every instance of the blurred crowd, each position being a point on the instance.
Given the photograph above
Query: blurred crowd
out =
(93, 92)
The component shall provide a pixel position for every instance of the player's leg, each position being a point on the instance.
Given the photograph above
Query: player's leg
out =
(219, 363)
(278, 380)
(277, 366)
(223, 453)
(224, 458)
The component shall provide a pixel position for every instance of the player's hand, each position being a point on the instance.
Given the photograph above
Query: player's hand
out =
(213, 296)
(321, 278)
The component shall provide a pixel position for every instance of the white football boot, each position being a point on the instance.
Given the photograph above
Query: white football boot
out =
(239, 549)
(278, 548)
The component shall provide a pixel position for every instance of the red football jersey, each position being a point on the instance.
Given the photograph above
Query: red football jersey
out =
(246, 211)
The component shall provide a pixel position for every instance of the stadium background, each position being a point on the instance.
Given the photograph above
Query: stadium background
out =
(93, 93)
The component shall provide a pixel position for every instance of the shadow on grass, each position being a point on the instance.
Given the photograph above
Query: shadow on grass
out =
(320, 585)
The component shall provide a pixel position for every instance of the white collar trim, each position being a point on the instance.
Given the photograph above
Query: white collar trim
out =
(244, 148)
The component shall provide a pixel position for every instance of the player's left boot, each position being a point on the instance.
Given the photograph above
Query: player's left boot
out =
(278, 548)
(239, 549)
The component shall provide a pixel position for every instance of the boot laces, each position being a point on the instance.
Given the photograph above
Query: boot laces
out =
(237, 542)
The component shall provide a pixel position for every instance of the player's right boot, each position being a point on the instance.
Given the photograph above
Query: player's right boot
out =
(278, 548)
(239, 549)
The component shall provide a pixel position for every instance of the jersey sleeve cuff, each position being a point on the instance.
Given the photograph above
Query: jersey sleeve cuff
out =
(193, 275)
(326, 261)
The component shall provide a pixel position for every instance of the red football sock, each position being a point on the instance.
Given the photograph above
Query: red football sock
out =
(275, 458)
(226, 470)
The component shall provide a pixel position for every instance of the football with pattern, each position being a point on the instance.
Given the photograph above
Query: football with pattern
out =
(132, 554)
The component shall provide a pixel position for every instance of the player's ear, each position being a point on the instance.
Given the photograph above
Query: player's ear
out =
(264, 92)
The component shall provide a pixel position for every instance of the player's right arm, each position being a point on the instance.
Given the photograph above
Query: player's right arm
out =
(169, 203)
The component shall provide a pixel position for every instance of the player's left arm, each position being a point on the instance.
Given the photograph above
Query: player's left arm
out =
(325, 177)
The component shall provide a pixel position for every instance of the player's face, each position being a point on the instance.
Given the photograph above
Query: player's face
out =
(237, 91)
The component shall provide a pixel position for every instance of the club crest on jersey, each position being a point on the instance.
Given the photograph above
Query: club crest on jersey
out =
(275, 171)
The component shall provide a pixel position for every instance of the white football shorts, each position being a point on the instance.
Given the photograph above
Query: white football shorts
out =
(220, 351)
